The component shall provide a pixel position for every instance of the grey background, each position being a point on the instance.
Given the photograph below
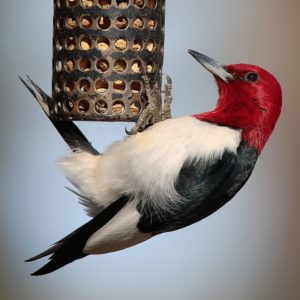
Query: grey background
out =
(248, 250)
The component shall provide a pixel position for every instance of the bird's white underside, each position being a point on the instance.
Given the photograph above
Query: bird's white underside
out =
(133, 166)
(120, 233)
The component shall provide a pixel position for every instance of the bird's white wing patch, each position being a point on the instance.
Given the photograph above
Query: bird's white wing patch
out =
(146, 165)
(119, 233)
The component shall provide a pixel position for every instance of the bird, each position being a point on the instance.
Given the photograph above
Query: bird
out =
(174, 174)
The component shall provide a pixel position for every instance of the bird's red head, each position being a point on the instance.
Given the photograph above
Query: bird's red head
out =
(250, 99)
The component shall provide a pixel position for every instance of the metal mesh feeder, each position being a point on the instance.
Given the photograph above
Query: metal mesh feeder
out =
(101, 49)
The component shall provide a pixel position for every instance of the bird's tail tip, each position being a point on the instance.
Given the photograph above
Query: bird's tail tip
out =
(42, 98)
(55, 262)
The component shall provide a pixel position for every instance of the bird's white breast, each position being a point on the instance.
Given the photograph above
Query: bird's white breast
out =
(145, 166)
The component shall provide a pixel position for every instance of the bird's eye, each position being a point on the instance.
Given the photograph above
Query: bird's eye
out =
(251, 77)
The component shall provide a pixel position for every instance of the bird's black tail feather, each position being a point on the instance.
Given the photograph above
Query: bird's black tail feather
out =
(67, 129)
(70, 247)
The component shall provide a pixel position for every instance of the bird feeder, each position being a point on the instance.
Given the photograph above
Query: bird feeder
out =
(102, 50)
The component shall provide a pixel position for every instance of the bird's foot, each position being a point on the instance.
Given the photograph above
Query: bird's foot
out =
(166, 111)
(154, 112)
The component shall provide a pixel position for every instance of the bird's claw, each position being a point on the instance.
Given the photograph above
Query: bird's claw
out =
(133, 131)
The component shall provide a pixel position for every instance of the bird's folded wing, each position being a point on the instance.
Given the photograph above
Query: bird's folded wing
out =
(205, 186)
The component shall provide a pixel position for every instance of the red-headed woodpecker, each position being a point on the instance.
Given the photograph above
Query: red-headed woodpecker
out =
(173, 174)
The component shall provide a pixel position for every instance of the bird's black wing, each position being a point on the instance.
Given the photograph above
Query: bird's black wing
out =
(205, 186)
(67, 129)
(70, 247)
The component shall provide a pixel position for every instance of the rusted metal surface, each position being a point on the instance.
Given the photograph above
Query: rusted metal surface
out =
(101, 50)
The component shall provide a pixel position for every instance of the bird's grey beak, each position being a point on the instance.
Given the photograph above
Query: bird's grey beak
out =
(213, 66)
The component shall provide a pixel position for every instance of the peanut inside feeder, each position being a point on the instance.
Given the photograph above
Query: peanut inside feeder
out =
(105, 4)
(101, 50)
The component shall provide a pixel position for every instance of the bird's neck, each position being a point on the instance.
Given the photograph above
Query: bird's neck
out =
(255, 134)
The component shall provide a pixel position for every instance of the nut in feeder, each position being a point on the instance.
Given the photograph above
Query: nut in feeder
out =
(107, 62)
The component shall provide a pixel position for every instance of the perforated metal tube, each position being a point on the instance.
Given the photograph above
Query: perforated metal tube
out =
(100, 50)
